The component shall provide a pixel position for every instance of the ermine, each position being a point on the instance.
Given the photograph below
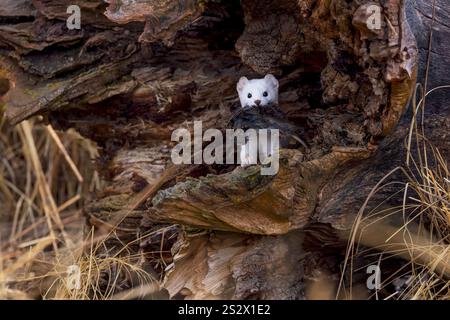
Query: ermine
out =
(258, 93)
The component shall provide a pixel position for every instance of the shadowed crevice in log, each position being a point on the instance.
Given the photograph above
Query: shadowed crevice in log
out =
(4, 86)
(17, 11)
(420, 15)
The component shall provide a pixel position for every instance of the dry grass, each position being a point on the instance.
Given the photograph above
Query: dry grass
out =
(45, 250)
(100, 274)
(422, 238)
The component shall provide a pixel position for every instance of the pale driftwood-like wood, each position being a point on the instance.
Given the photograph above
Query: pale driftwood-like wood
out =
(138, 70)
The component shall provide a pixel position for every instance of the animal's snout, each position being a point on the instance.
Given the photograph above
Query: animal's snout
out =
(257, 102)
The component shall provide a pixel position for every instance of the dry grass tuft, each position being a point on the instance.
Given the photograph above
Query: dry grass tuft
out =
(45, 250)
(422, 238)
(46, 253)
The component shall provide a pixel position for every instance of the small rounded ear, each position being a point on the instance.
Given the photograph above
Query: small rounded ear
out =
(272, 80)
(241, 84)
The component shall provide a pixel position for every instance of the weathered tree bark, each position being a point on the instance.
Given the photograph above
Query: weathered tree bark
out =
(138, 70)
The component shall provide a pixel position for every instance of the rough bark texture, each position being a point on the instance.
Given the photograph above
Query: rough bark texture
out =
(138, 70)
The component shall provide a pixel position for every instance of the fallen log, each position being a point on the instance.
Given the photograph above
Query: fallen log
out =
(136, 71)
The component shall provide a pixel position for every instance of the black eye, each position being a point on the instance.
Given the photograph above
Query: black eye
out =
(249, 95)
(265, 94)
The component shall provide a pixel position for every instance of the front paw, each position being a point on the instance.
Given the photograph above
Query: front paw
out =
(245, 157)
(246, 161)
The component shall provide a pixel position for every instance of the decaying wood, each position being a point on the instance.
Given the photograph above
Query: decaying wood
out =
(232, 265)
(138, 70)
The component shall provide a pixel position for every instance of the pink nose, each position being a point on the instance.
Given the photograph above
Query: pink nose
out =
(257, 102)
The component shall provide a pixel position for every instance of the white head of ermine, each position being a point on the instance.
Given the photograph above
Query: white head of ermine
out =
(258, 92)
